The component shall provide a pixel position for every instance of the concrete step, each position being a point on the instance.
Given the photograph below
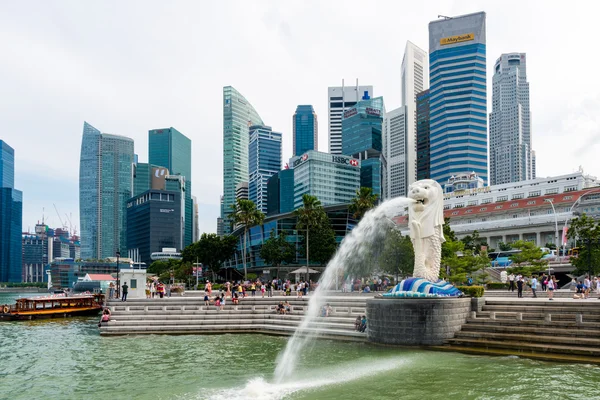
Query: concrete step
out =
(531, 330)
(551, 357)
(588, 317)
(534, 323)
(531, 338)
(526, 346)
(221, 316)
(592, 303)
(566, 294)
(218, 323)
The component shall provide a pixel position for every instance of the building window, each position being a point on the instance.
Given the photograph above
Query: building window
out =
(518, 196)
(446, 206)
(455, 213)
(498, 208)
(472, 203)
(469, 211)
(459, 205)
(531, 202)
(535, 193)
(483, 209)
(513, 205)
(570, 188)
(502, 198)
(515, 216)
(567, 197)
(552, 191)
(486, 201)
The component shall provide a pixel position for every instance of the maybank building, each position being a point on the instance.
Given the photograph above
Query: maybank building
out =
(332, 178)
(458, 106)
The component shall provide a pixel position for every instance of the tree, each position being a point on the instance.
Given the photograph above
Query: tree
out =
(473, 242)
(529, 260)
(459, 262)
(504, 246)
(322, 242)
(277, 250)
(398, 255)
(586, 231)
(362, 202)
(211, 250)
(310, 215)
(244, 213)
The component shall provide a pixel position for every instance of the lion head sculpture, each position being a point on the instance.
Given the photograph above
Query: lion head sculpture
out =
(428, 210)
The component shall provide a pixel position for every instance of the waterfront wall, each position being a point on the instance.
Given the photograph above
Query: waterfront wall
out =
(415, 322)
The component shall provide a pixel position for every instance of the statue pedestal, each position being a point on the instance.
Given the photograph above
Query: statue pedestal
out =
(424, 321)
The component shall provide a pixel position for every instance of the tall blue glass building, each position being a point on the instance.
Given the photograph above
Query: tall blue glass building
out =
(458, 102)
(105, 185)
(238, 115)
(171, 149)
(306, 130)
(423, 163)
(11, 218)
(264, 161)
(362, 139)
(280, 192)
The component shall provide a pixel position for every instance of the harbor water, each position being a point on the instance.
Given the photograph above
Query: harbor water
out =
(67, 359)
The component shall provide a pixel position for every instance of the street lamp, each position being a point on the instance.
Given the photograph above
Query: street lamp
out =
(555, 229)
(118, 281)
(589, 242)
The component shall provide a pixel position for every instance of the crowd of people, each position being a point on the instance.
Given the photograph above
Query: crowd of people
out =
(584, 287)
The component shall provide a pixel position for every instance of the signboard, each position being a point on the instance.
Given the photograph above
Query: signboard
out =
(197, 271)
(373, 111)
(457, 39)
(300, 160)
(350, 112)
(484, 189)
(158, 178)
(564, 235)
(344, 160)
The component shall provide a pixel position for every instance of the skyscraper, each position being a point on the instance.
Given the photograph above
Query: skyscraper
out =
(458, 104)
(306, 130)
(11, 218)
(341, 98)
(171, 149)
(238, 116)
(264, 161)
(414, 80)
(511, 155)
(423, 171)
(396, 148)
(105, 185)
(362, 139)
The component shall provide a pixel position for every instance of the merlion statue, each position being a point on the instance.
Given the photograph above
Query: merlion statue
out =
(426, 225)
(426, 221)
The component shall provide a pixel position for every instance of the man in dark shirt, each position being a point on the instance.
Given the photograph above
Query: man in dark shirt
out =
(125, 288)
(520, 287)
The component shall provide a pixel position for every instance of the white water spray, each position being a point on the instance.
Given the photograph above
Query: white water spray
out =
(354, 249)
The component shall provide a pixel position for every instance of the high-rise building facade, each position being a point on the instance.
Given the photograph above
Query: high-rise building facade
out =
(280, 191)
(11, 218)
(396, 148)
(333, 179)
(105, 185)
(423, 171)
(511, 154)
(238, 116)
(458, 102)
(340, 99)
(362, 138)
(171, 149)
(264, 161)
(306, 130)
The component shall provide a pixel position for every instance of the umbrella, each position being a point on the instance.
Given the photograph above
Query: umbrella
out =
(303, 271)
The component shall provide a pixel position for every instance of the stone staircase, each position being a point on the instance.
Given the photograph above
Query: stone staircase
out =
(559, 330)
(189, 315)
(562, 294)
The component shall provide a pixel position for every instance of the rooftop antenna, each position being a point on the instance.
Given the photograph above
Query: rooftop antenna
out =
(443, 16)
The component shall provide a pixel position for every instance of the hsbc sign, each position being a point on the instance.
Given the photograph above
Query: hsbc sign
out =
(344, 160)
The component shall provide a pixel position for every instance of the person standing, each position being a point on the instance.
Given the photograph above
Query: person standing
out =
(263, 289)
(551, 287)
(587, 286)
(520, 283)
(511, 282)
(111, 290)
(598, 287)
(253, 289)
(269, 289)
(125, 288)
(544, 282)
(534, 284)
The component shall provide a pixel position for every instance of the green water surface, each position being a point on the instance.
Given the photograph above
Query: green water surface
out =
(67, 359)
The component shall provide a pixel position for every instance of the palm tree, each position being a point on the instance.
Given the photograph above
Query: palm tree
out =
(309, 215)
(244, 213)
(363, 202)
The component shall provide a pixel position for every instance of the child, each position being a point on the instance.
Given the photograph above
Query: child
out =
(263, 288)
(235, 300)
(217, 302)
(206, 299)
(222, 300)
(357, 323)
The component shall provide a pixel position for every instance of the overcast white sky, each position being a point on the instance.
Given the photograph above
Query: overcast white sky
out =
(130, 66)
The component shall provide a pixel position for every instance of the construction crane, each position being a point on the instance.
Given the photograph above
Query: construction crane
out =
(72, 230)
(59, 218)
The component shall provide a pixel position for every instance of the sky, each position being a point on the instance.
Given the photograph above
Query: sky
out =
(130, 66)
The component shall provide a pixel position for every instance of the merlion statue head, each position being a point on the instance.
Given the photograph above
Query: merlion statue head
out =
(428, 209)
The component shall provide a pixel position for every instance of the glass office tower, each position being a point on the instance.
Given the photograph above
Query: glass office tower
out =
(238, 116)
(105, 185)
(306, 130)
(11, 218)
(423, 171)
(171, 149)
(458, 97)
(264, 161)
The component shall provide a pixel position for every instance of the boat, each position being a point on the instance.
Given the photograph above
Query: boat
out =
(52, 306)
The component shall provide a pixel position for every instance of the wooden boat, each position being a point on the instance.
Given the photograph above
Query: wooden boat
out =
(52, 306)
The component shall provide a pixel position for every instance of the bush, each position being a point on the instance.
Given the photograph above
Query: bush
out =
(497, 285)
(471, 291)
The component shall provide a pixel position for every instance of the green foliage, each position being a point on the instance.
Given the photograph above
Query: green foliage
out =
(211, 250)
(551, 246)
(497, 285)
(504, 246)
(457, 262)
(252, 277)
(160, 267)
(314, 224)
(530, 255)
(277, 250)
(362, 202)
(471, 291)
(398, 255)
(245, 213)
(473, 242)
(587, 232)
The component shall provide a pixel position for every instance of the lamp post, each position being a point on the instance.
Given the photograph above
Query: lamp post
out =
(555, 229)
(590, 242)
(118, 281)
